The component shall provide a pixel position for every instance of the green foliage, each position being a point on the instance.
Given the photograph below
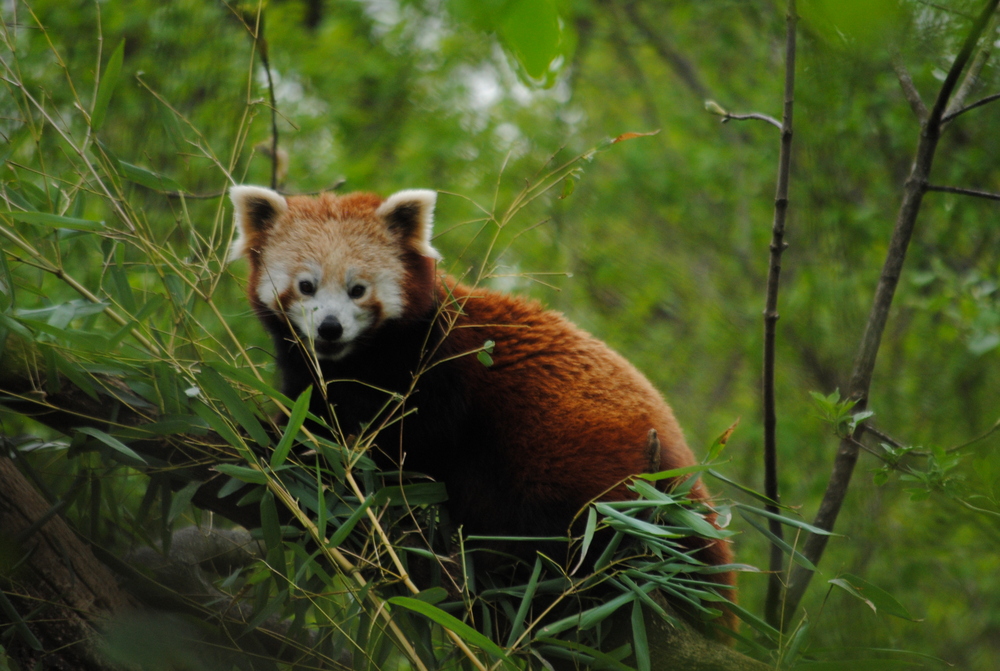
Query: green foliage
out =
(838, 412)
(116, 125)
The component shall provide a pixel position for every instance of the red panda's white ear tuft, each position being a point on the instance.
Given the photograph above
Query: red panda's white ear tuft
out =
(257, 209)
(411, 212)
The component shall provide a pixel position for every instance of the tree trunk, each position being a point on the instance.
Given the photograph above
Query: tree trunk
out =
(58, 591)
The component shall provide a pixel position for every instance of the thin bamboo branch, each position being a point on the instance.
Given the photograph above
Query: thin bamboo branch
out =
(46, 265)
(864, 365)
(772, 606)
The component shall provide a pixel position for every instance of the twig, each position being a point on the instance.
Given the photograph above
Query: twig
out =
(752, 115)
(978, 103)
(946, 10)
(989, 432)
(910, 91)
(864, 365)
(772, 607)
(716, 108)
(975, 68)
(884, 437)
(965, 192)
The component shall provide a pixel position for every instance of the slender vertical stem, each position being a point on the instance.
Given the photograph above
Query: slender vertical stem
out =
(864, 363)
(266, 61)
(772, 605)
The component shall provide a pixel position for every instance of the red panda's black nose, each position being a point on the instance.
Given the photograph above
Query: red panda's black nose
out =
(331, 329)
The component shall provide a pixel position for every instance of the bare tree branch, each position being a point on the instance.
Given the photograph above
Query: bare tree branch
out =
(772, 606)
(716, 108)
(864, 365)
(910, 91)
(971, 77)
(261, 41)
(947, 10)
(753, 115)
(965, 192)
(978, 103)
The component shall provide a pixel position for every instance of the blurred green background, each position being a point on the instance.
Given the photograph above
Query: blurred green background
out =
(660, 249)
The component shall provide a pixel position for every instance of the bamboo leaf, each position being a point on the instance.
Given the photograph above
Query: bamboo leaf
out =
(269, 522)
(755, 622)
(517, 624)
(450, 622)
(720, 443)
(785, 520)
(298, 415)
(876, 597)
(220, 388)
(109, 80)
(589, 657)
(242, 473)
(416, 494)
(639, 637)
(54, 220)
(231, 487)
(112, 442)
(19, 624)
(345, 529)
(218, 424)
(182, 499)
(675, 472)
(796, 556)
(588, 536)
(148, 178)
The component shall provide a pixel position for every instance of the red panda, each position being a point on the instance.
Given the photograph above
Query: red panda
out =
(349, 290)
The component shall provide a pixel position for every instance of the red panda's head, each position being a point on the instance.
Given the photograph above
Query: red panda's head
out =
(335, 268)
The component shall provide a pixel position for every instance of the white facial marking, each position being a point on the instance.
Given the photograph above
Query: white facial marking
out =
(275, 279)
(390, 294)
(330, 297)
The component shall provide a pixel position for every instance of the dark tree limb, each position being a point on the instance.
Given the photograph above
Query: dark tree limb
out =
(772, 605)
(978, 103)
(910, 91)
(261, 41)
(965, 192)
(975, 68)
(67, 591)
(864, 364)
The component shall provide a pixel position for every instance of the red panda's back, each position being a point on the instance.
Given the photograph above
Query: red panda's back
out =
(572, 414)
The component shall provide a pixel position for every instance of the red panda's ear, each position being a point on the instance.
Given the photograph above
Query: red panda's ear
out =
(410, 213)
(257, 209)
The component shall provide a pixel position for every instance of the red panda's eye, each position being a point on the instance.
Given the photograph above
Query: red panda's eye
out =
(307, 287)
(357, 291)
